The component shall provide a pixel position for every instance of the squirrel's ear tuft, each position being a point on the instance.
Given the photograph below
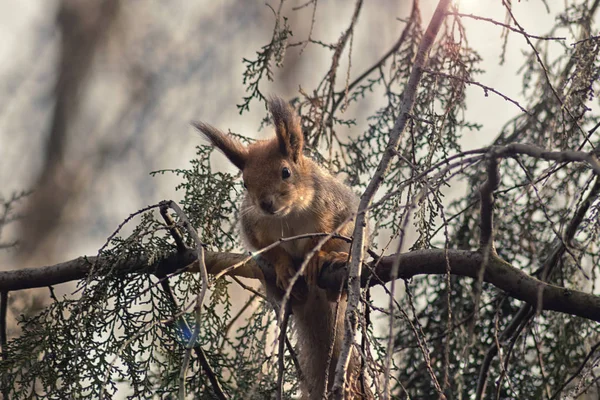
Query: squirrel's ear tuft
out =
(232, 148)
(287, 128)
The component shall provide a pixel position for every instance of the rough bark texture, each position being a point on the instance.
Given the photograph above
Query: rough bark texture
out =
(462, 262)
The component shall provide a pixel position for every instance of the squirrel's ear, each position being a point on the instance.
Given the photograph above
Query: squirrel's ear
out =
(287, 128)
(232, 148)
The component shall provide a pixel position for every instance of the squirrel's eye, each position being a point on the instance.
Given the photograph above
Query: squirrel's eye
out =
(285, 173)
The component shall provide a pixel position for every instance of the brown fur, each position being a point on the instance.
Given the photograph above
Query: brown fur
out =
(310, 200)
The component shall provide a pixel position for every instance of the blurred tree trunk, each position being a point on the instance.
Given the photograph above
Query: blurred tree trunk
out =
(83, 26)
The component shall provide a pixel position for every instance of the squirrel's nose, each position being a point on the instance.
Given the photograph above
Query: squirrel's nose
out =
(267, 205)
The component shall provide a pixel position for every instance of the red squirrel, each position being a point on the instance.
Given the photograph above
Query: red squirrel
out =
(289, 194)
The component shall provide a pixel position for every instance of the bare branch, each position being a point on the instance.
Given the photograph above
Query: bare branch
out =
(559, 156)
(358, 245)
(506, 26)
(485, 88)
(204, 276)
(212, 377)
(281, 350)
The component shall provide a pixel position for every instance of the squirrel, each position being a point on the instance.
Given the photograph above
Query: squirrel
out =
(289, 194)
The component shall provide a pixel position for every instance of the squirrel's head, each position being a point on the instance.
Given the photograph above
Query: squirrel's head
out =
(277, 176)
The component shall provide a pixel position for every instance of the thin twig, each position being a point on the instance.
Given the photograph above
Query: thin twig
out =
(281, 350)
(125, 221)
(357, 249)
(506, 26)
(248, 288)
(422, 341)
(181, 247)
(545, 71)
(446, 381)
(392, 299)
(381, 61)
(527, 311)
(330, 78)
(294, 358)
(485, 88)
(513, 329)
(255, 253)
(577, 372)
(307, 259)
(199, 298)
(212, 377)
(173, 230)
(331, 345)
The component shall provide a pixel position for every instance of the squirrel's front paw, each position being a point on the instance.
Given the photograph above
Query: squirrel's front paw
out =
(284, 275)
(323, 259)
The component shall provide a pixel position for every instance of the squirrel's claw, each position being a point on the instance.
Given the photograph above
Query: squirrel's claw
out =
(284, 274)
(323, 259)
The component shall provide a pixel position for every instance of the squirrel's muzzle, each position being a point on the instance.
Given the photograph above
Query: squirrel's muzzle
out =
(267, 206)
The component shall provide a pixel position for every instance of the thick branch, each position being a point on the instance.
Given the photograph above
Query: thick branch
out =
(487, 206)
(79, 268)
(421, 262)
(539, 152)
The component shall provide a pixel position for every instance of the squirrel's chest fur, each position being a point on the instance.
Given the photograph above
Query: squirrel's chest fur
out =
(294, 224)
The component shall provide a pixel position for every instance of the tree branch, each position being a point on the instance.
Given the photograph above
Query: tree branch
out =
(541, 153)
(499, 273)
(381, 61)
(527, 311)
(358, 246)
(506, 26)
(281, 349)
(486, 192)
